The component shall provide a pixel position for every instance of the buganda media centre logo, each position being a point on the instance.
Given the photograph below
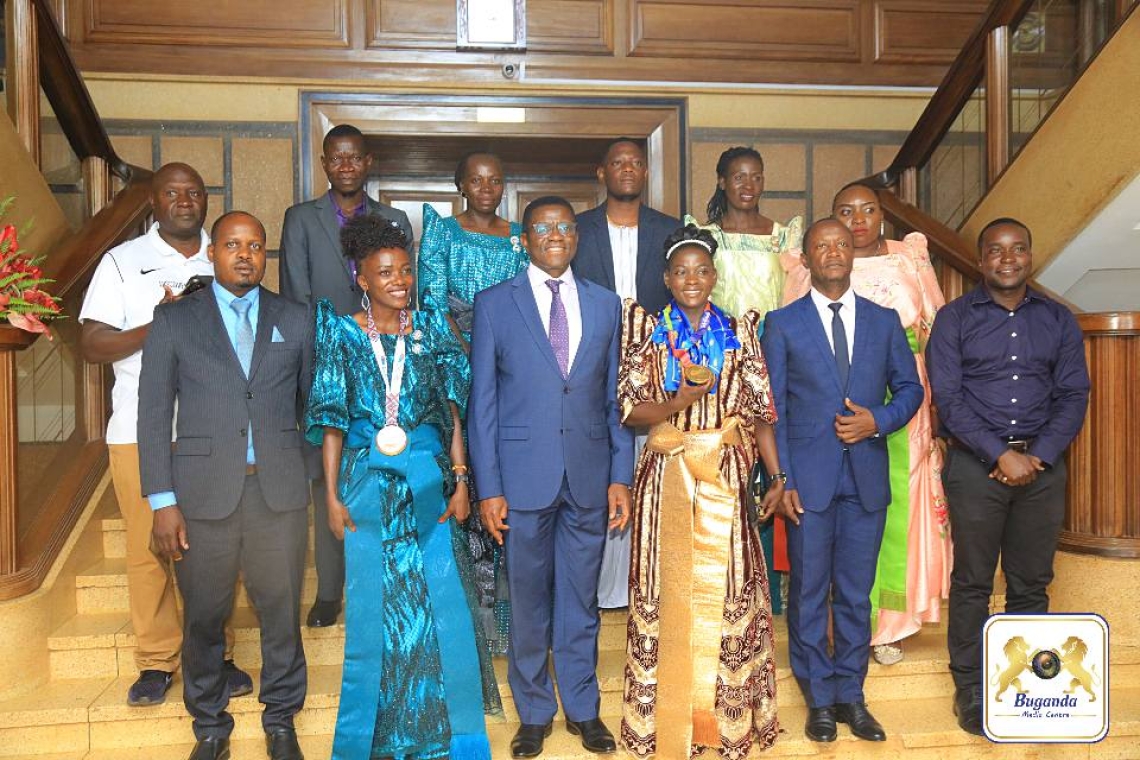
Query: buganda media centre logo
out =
(1046, 678)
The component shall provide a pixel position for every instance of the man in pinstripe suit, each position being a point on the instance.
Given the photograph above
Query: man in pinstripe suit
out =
(231, 493)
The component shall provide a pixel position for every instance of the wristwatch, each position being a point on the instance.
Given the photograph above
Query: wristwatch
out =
(780, 476)
(462, 477)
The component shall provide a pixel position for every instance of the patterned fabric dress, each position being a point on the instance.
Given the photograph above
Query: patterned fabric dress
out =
(750, 272)
(413, 686)
(914, 561)
(729, 679)
(454, 265)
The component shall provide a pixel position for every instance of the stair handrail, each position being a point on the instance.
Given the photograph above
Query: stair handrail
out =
(1102, 514)
(69, 97)
(29, 547)
(955, 89)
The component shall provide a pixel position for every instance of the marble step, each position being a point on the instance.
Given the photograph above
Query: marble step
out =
(84, 720)
(102, 588)
(102, 644)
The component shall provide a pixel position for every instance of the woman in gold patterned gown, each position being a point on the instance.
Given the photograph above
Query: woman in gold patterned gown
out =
(700, 647)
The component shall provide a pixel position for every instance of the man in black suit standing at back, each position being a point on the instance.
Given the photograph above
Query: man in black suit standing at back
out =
(312, 268)
(620, 247)
(230, 494)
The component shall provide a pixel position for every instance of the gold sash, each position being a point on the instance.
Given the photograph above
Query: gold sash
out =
(697, 512)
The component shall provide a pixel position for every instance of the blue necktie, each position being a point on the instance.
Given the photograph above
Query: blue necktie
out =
(244, 343)
(559, 327)
(839, 339)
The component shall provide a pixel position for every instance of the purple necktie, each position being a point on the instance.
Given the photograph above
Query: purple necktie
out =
(559, 327)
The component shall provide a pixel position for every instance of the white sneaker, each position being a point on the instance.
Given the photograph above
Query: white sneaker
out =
(887, 654)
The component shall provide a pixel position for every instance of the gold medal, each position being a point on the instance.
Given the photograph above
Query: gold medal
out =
(695, 374)
(391, 440)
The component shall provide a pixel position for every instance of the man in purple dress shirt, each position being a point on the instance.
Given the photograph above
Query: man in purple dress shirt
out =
(1007, 369)
(313, 267)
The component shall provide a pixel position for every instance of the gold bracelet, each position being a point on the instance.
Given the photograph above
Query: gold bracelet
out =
(459, 468)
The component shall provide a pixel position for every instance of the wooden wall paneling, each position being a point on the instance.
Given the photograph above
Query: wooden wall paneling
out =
(912, 31)
(1103, 492)
(220, 23)
(411, 24)
(585, 27)
(748, 30)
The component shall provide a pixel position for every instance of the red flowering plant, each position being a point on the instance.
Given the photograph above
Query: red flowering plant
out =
(22, 301)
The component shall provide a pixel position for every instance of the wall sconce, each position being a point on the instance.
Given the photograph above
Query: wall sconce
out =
(490, 25)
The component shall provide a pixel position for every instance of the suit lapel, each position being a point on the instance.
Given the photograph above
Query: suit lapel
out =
(814, 327)
(327, 216)
(602, 232)
(266, 319)
(528, 308)
(211, 316)
(645, 254)
(587, 309)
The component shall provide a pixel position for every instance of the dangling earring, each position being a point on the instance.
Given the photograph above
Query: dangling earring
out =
(882, 229)
(365, 303)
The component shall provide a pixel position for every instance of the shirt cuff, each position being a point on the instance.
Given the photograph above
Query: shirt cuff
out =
(161, 500)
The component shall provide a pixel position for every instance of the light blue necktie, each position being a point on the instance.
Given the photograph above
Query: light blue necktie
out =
(244, 343)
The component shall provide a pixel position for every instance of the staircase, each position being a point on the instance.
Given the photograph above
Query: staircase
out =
(81, 712)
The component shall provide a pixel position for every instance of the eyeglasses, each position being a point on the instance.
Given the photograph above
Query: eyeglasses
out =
(564, 228)
(340, 160)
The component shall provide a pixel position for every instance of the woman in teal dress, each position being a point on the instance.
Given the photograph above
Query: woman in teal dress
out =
(459, 256)
(389, 390)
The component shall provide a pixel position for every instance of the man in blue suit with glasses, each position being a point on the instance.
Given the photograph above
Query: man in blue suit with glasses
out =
(833, 357)
(552, 466)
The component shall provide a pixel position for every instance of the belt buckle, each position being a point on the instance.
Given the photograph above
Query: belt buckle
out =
(1021, 447)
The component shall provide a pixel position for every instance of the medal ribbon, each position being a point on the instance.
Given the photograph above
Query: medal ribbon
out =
(703, 346)
(392, 385)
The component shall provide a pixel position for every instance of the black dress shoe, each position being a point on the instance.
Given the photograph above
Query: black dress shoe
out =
(968, 708)
(862, 722)
(281, 744)
(211, 748)
(528, 740)
(820, 726)
(323, 614)
(595, 736)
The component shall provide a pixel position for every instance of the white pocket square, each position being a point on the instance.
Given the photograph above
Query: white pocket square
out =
(277, 336)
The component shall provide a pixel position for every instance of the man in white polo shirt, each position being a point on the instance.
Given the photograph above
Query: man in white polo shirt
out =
(129, 282)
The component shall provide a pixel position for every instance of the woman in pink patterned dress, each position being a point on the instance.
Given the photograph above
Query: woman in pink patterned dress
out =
(914, 561)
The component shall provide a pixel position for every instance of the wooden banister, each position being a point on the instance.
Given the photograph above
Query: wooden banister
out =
(68, 95)
(963, 77)
(35, 524)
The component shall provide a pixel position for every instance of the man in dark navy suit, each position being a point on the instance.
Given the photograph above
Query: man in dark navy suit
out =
(833, 357)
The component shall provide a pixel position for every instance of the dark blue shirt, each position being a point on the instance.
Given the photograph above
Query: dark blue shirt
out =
(998, 374)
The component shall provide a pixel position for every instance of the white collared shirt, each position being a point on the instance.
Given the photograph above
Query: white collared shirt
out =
(126, 287)
(544, 296)
(847, 314)
(623, 243)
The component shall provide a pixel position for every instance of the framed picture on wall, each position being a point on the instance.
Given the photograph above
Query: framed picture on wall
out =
(490, 24)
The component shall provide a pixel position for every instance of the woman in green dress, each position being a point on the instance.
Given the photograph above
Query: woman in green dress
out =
(749, 243)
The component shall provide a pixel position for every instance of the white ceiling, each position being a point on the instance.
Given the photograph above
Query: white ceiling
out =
(1099, 270)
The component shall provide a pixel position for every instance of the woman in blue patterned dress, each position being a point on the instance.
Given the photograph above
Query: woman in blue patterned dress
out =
(459, 256)
(390, 387)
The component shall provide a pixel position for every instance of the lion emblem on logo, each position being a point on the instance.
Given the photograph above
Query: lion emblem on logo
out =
(1017, 653)
(1073, 653)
